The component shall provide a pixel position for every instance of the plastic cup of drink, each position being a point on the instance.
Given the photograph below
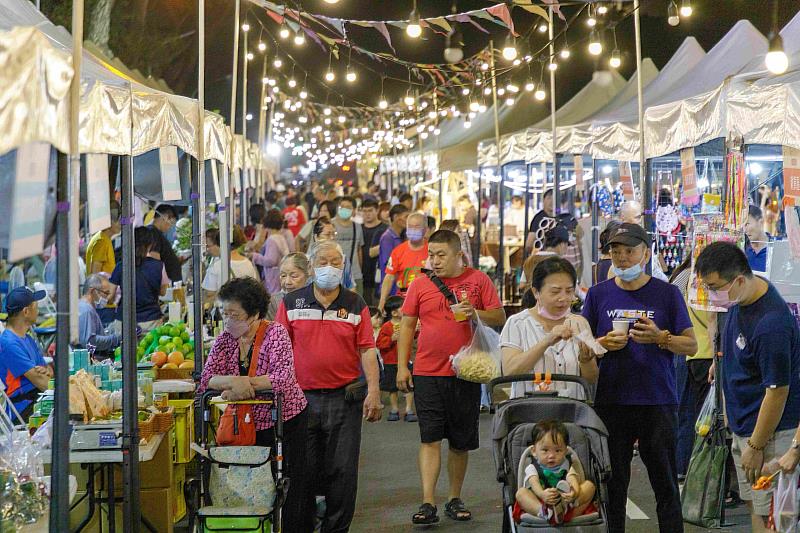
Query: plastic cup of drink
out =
(621, 325)
(458, 315)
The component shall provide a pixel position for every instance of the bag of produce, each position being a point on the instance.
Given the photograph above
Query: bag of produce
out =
(784, 502)
(706, 417)
(479, 361)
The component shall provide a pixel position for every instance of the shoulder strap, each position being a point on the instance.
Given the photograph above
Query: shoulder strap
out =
(448, 294)
(259, 340)
(353, 242)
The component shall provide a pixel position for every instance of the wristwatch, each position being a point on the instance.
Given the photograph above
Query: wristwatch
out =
(795, 445)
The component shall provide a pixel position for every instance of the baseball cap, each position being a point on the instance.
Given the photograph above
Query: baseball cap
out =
(629, 235)
(22, 297)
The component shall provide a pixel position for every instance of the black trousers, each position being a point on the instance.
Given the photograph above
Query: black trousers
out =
(298, 517)
(333, 447)
(655, 427)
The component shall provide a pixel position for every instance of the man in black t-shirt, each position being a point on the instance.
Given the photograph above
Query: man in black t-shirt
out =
(163, 221)
(544, 220)
(373, 229)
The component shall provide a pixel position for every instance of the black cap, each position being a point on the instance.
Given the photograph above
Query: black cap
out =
(629, 235)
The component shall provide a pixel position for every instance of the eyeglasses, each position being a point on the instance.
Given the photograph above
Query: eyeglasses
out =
(234, 316)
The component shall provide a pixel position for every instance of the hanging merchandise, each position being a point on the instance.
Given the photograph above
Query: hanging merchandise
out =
(578, 162)
(791, 174)
(689, 174)
(619, 198)
(708, 229)
(626, 178)
(604, 199)
(736, 202)
(670, 235)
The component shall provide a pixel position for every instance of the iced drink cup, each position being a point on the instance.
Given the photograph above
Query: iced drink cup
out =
(621, 325)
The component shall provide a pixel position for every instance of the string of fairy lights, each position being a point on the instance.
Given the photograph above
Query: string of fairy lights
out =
(314, 128)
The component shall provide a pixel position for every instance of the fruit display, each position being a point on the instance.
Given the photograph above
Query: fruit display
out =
(167, 339)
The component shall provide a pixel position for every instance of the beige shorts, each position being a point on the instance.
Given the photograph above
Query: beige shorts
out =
(776, 447)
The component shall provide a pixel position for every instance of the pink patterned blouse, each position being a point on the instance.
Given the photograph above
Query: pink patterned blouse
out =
(275, 359)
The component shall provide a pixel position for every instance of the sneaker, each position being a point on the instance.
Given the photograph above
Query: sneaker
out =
(410, 417)
(394, 416)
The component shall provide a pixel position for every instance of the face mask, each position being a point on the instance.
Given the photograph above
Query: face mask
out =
(345, 213)
(544, 313)
(328, 277)
(415, 235)
(628, 274)
(236, 328)
(101, 303)
(721, 298)
(172, 233)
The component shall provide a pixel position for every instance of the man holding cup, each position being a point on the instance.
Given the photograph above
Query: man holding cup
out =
(642, 322)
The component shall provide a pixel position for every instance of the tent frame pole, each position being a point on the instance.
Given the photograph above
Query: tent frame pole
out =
(230, 202)
(556, 166)
(640, 102)
(199, 193)
(245, 175)
(501, 263)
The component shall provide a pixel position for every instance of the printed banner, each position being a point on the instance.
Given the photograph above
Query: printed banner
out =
(97, 192)
(626, 178)
(689, 174)
(578, 162)
(791, 173)
(26, 237)
(170, 174)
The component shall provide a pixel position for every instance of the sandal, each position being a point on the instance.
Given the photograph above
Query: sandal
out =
(394, 416)
(456, 510)
(426, 515)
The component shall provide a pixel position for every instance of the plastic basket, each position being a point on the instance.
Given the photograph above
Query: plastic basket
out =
(178, 499)
(184, 430)
(240, 524)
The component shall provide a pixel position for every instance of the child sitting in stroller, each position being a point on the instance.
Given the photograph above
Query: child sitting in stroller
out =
(554, 485)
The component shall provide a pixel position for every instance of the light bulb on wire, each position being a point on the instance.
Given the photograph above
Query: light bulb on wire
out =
(565, 53)
(414, 29)
(552, 65)
(303, 94)
(262, 46)
(465, 91)
(299, 38)
(776, 61)
(602, 9)
(595, 45)
(408, 100)
(672, 14)
(331, 1)
(453, 45)
(615, 60)
(542, 28)
(540, 93)
(530, 86)
(509, 101)
(330, 76)
(249, 56)
(686, 8)
(278, 63)
(350, 76)
(510, 49)
(284, 32)
(245, 27)
(292, 83)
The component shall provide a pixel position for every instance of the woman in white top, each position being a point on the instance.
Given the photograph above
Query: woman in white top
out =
(543, 338)
(241, 266)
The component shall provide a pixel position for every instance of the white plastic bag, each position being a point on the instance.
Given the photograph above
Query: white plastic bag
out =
(706, 417)
(479, 361)
(784, 499)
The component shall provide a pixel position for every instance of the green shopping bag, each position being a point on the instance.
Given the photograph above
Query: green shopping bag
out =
(703, 495)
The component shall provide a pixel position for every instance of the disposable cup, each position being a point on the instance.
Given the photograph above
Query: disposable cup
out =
(458, 315)
(621, 325)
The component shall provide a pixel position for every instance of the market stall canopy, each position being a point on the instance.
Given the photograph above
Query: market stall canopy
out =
(118, 115)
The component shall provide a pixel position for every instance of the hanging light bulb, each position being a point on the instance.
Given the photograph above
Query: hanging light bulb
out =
(284, 32)
(565, 53)
(262, 46)
(245, 27)
(327, 121)
(383, 104)
(331, 1)
(303, 94)
(777, 62)
(330, 76)
(529, 86)
(540, 94)
(327, 111)
(408, 100)
(672, 14)
(414, 29)
(478, 82)
(595, 45)
(467, 124)
(342, 118)
(350, 76)
(292, 83)
(686, 8)
(299, 38)
(591, 22)
(487, 90)
(453, 51)
(501, 91)
(552, 65)
(474, 106)
(542, 28)
(465, 91)
(509, 101)
(509, 49)
(602, 9)
(249, 56)
(615, 60)
(278, 62)
(482, 109)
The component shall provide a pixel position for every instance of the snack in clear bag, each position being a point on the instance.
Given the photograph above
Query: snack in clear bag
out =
(706, 417)
(479, 361)
(785, 505)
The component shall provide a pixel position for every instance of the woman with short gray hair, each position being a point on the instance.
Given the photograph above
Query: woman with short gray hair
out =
(295, 273)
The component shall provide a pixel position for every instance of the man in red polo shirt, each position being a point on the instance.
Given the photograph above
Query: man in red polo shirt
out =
(407, 260)
(447, 407)
(333, 342)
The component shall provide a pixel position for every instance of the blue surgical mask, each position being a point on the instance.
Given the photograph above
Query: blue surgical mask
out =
(101, 303)
(172, 233)
(345, 213)
(628, 274)
(328, 277)
(415, 235)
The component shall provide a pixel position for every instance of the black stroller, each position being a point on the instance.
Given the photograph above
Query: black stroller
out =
(512, 428)
(241, 488)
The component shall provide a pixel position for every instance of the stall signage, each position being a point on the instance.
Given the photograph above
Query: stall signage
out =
(791, 173)
(26, 236)
(689, 175)
(626, 178)
(170, 175)
(98, 192)
(578, 162)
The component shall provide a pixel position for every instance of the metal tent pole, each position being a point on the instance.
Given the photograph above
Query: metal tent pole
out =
(556, 173)
(595, 215)
(230, 202)
(245, 181)
(199, 192)
(262, 118)
(500, 263)
(526, 230)
(640, 98)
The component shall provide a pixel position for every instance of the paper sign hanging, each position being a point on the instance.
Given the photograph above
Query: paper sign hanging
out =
(170, 175)
(578, 163)
(26, 236)
(97, 192)
(215, 179)
(626, 179)
(791, 173)
(226, 185)
(689, 174)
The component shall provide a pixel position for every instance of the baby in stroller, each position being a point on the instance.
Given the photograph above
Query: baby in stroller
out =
(554, 486)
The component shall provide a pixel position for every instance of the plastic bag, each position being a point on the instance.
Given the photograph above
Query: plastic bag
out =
(706, 418)
(784, 499)
(479, 361)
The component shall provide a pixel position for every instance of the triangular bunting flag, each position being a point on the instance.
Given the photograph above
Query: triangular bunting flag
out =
(441, 22)
(383, 30)
(501, 11)
(466, 18)
(274, 16)
(536, 10)
(556, 8)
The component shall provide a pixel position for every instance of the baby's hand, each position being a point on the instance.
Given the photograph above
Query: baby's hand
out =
(552, 496)
(570, 496)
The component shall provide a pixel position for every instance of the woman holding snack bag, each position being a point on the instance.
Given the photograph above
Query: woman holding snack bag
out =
(545, 337)
(447, 302)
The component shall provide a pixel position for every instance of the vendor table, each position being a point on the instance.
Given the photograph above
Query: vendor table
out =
(102, 462)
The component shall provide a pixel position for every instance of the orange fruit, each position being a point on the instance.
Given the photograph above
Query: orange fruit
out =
(158, 358)
(187, 364)
(176, 358)
(168, 366)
